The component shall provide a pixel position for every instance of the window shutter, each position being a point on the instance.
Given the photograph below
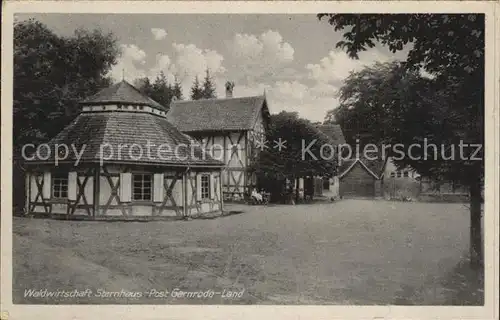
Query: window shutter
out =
(125, 187)
(158, 190)
(212, 186)
(219, 187)
(72, 185)
(198, 186)
(27, 185)
(47, 188)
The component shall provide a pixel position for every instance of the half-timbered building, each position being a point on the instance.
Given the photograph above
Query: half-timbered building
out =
(231, 130)
(123, 159)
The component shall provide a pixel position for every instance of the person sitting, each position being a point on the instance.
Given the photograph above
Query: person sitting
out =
(256, 196)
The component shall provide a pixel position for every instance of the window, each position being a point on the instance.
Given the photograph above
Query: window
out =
(405, 174)
(399, 174)
(205, 186)
(142, 186)
(393, 174)
(60, 186)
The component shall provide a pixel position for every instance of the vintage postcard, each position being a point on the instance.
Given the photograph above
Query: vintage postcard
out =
(222, 160)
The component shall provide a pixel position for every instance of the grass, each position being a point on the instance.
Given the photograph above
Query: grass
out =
(348, 252)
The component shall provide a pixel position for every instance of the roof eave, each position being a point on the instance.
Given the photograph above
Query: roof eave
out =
(169, 164)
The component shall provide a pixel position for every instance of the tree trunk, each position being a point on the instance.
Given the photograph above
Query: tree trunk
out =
(297, 190)
(476, 243)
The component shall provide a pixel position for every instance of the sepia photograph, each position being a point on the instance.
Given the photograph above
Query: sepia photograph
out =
(286, 159)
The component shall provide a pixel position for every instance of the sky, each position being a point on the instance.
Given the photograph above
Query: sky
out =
(292, 58)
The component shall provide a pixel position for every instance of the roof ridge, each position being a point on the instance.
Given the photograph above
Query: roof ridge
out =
(214, 99)
(110, 94)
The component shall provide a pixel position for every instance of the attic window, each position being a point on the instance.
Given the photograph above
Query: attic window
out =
(119, 106)
(405, 174)
(393, 174)
(141, 108)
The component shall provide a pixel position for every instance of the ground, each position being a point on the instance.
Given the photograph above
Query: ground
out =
(347, 252)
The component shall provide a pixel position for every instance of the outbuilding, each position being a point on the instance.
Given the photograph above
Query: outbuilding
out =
(361, 178)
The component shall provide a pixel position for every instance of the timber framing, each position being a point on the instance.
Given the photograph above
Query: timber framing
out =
(97, 178)
(239, 151)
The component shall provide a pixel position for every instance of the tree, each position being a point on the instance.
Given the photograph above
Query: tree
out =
(177, 89)
(144, 85)
(367, 99)
(196, 90)
(291, 162)
(208, 90)
(52, 74)
(160, 90)
(454, 57)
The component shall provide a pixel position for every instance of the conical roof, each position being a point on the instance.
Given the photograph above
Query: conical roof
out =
(122, 93)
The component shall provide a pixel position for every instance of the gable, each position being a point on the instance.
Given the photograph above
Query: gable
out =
(259, 126)
(349, 165)
(358, 171)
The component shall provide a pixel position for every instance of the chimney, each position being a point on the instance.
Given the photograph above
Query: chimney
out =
(229, 89)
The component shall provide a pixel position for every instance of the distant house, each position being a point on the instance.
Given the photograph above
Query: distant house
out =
(406, 183)
(361, 177)
(391, 171)
(230, 129)
(125, 180)
(402, 183)
(435, 190)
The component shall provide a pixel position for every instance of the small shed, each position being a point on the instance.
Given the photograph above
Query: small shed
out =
(361, 177)
(121, 157)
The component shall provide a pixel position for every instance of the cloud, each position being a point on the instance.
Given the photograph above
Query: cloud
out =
(311, 102)
(163, 64)
(131, 63)
(134, 52)
(190, 61)
(337, 65)
(259, 56)
(158, 33)
(185, 63)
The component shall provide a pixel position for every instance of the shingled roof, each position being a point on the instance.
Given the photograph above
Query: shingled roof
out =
(217, 114)
(90, 131)
(122, 93)
(334, 133)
